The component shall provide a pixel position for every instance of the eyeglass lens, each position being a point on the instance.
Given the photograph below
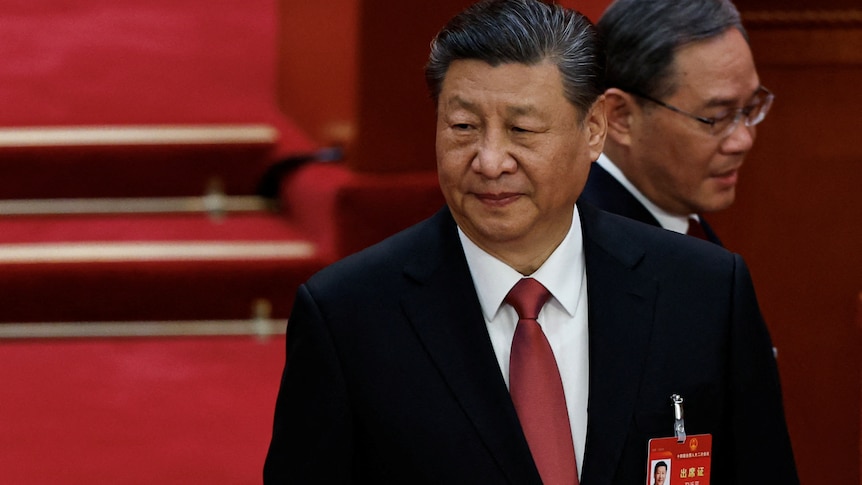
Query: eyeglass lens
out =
(754, 113)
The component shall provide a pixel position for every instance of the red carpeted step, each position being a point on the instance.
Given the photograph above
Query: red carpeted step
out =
(255, 226)
(137, 411)
(150, 267)
(139, 161)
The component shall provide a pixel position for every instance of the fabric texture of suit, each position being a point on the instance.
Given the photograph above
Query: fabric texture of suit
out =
(391, 376)
(607, 193)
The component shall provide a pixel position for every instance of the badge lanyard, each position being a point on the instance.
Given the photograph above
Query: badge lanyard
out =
(681, 459)
(678, 418)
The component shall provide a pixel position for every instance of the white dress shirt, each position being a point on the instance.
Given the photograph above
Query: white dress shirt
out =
(671, 222)
(563, 318)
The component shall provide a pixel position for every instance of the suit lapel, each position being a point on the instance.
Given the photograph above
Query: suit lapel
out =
(607, 193)
(621, 301)
(456, 339)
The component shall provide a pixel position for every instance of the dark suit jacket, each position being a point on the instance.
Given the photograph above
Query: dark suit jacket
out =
(391, 376)
(606, 193)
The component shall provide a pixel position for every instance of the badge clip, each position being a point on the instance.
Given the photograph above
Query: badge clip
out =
(678, 418)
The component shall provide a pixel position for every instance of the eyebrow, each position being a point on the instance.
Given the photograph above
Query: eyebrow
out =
(518, 110)
(461, 102)
(521, 110)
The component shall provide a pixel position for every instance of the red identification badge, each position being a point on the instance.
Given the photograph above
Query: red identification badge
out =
(673, 463)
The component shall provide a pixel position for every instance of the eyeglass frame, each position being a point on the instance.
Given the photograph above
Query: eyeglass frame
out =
(739, 113)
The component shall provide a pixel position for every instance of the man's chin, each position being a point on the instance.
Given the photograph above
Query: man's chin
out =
(715, 202)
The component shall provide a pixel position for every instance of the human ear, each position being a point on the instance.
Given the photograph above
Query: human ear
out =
(620, 108)
(597, 128)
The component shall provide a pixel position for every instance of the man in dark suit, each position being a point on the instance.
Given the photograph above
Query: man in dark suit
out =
(683, 100)
(419, 360)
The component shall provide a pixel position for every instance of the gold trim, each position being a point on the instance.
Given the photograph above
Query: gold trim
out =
(44, 136)
(263, 328)
(124, 252)
(213, 204)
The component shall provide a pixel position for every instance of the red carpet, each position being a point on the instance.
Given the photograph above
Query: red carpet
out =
(122, 63)
(262, 227)
(113, 411)
(132, 62)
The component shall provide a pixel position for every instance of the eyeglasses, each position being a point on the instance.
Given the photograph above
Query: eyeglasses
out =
(725, 124)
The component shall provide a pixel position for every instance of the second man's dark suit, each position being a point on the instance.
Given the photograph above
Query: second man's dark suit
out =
(607, 193)
(391, 376)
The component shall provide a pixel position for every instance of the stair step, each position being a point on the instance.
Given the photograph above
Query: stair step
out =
(118, 267)
(257, 226)
(181, 289)
(134, 161)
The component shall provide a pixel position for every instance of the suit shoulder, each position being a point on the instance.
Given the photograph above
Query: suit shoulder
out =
(373, 265)
(632, 240)
(605, 192)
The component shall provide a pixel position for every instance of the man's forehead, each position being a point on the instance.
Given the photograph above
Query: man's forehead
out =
(719, 70)
(472, 74)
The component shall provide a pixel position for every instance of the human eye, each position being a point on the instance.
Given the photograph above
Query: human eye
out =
(753, 108)
(527, 127)
(722, 116)
(721, 120)
(459, 120)
(461, 125)
(462, 130)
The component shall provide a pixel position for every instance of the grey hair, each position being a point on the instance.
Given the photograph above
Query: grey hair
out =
(527, 32)
(642, 37)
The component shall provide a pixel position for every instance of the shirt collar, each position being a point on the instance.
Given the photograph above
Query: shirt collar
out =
(560, 273)
(667, 220)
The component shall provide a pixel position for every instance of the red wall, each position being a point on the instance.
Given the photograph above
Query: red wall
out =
(351, 74)
(798, 222)
(318, 66)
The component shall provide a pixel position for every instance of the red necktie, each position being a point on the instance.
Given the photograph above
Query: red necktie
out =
(537, 391)
(695, 229)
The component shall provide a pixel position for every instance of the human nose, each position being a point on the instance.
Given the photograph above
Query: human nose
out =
(493, 157)
(740, 139)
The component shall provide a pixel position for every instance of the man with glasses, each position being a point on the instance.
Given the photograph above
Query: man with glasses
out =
(683, 99)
